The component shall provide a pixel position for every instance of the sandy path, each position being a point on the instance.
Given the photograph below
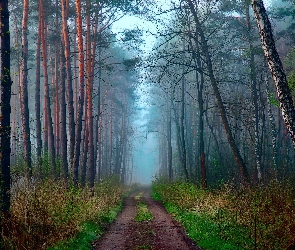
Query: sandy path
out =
(162, 233)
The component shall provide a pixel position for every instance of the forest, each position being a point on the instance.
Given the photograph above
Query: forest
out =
(212, 82)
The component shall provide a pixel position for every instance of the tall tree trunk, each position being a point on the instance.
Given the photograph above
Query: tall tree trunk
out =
(47, 107)
(182, 132)
(253, 93)
(75, 165)
(98, 122)
(200, 86)
(110, 164)
(63, 117)
(169, 141)
(273, 127)
(5, 108)
(208, 61)
(57, 104)
(70, 102)
(37, 99)
(276, 67)
(15, 110)
(89, 94)
(85, 150)
(25, 115)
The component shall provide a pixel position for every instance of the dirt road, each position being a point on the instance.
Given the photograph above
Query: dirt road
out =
(161, 233)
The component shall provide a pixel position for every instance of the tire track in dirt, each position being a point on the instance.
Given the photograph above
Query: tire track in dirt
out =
(162, 233)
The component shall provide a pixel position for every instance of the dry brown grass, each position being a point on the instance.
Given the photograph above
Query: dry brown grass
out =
(267, 213)
(43, 213)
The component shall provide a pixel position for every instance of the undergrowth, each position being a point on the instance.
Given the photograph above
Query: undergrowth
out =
(89, 232)
(230, 218)
(43, 213)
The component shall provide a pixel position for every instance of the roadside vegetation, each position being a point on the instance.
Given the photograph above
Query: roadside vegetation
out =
(232, 218)
(49, 211)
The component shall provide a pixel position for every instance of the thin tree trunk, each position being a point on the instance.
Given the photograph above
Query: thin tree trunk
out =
(182, 133)
(47, 107)
(98, 122)
(221, 107)
(200, 87)
(63, 118)
(89, 93)
(25, 115)
(276, 67)
(254, 94)
(37, 99)
(57, 104)
(169, 142)
(273, 127)
(75, 165)
(70, 104)
(201, 128)
(110, 163)
(85, 150)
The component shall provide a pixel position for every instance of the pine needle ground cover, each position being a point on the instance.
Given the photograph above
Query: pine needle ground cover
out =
(48, 212)
(231, 218)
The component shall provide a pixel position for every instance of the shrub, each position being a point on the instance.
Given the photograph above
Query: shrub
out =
(44, 212)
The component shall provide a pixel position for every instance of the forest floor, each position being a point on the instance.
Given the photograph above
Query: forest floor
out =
(160, 232)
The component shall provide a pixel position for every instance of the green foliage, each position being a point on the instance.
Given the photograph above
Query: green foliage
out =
(43, 171)
(183, 194)
(273, 100)
(229, 218)
(143, 213)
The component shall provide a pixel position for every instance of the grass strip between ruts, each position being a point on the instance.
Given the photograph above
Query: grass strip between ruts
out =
(143, 213)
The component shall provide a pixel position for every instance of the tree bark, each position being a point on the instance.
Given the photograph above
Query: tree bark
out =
(25, 115)
(276, 67)
(98, 122)
(63, 118)
(254, 95)
(5, 129)
(273, 127)
(70, 102)
(169, 141)
(89, 94)
(83, 167)
(200, 86)
(77, 151)
(57, 104)
(37, 98)
(47, 108)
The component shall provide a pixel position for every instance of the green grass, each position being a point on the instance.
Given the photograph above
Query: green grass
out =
(144, 247)
(208, 232)
(143, 213)
(89, 232)
(211, 228)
